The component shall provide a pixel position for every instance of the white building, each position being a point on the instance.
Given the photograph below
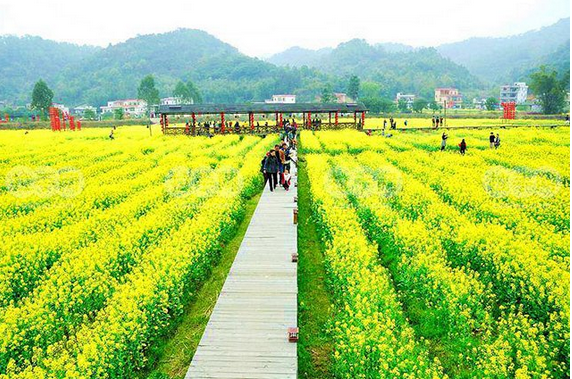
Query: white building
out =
(131, 107)
(281, 99)
(61, 107)
(480, 103)
(514, 93)
(409, 99)
(80, 110)
(174, 101)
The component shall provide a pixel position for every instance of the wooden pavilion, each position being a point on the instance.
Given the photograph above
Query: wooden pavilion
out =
(306, 110)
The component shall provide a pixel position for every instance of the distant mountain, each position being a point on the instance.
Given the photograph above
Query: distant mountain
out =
(93, 75)
(396, 67)
(80, 75)
(23, 60)
(498, 60)
(298, 57)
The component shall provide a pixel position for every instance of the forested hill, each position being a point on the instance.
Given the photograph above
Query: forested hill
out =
(500, 60)
(92, 75)
(397, 69)
(223, 74)
(23, 60)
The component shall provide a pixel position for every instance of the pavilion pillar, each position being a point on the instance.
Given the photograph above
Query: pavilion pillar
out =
(194, 126)
(362, 119)
(281, 122)
(329, 118)
(310, 119)
(276, 117)
(337, 117)
(303, 119)
(222, 125)
(355, 117)
(251, 120)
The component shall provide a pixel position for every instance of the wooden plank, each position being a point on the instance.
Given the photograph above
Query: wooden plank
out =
(246, 336)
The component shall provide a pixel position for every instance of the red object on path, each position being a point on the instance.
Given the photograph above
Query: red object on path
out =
(293, 334)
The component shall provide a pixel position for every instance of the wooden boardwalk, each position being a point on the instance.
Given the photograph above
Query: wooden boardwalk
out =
(246, 336)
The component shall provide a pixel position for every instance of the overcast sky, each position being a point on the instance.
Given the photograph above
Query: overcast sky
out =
(263, 27)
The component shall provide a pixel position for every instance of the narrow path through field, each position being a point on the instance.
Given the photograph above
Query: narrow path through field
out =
(247, 334)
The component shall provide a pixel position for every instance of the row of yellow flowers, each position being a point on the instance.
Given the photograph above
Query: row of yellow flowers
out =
(108, 209)
(113, 343)
(372, 336)
(458, 308)
(530, 283)
(75, 283)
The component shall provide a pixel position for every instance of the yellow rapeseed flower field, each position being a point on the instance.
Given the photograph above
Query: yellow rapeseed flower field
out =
(441, 265)
(104, 241)
(463, 258)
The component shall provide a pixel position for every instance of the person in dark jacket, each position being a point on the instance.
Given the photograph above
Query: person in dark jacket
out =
(492, 140)
(271, 169)
(444, 141)
(463, 147)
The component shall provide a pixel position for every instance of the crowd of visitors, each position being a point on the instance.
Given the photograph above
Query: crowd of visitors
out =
(276, 166)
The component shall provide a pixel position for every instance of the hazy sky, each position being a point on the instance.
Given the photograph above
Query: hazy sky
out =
(263, 27)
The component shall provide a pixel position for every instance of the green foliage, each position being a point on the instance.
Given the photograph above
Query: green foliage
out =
(491, 103)
(434, 106)
(182, 92)
(379, 104)
(148, 92)
(550, 90)
(419, 104)
(402, 105)
(327, 94)
(118, 113)
(42, 97)
(194, 92)
(89, 114)
(370, 89)
(354, 87)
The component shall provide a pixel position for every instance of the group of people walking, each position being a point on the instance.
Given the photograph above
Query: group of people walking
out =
(494, 142)
(277, 163)
(435, 121)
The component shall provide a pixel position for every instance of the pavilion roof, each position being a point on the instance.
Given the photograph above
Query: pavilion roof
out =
(262, 108)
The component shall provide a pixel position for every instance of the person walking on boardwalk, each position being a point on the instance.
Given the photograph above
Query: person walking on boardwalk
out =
(433, 121)
(497, 141)
(444, 141)
(463, 147)
(281, 160)
(436, 122)
(441, 121)
(384, 123)
(492, 140)
(271, 169)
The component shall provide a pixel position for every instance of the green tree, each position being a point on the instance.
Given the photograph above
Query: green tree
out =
(402, 105)
(89, 114)
(491, 103)
(419, 104)
(194, 92)
(370, 89)
(148, 92)
(42, 97)
(118, 113)
(328, 94)
(434, 106)
(354, 87)
(378, 105)
(374, 104)
(182, 92)
(550, 91)
(387, 105)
